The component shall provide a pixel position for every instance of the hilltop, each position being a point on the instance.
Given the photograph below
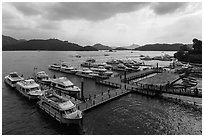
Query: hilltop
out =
(160, 47)
(133, 46)
(101, 47)
(9, 44)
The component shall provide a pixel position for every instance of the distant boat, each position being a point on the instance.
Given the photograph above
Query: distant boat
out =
(78, 56)
(12, 79)
(55, 67)
(146, 58)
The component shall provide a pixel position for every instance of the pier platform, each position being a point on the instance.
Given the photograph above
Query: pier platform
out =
(96, 100)
(155, 85)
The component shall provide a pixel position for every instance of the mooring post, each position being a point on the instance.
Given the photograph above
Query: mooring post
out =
(125, 77)
(82, 89)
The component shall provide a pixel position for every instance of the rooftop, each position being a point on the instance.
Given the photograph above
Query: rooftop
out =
(63, 80)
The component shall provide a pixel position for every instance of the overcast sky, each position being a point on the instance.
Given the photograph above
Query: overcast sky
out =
(112, 24)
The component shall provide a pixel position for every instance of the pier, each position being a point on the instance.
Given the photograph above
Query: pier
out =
(151, 82)
(155, 85)
(99, 99)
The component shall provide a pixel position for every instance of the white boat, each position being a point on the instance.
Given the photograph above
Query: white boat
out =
(87, 64)
(65, 86)
(98, 69)
(12, 79)
(60, 108)
(63, 67)
(85, 73)
(68, 69)
(78, 56)
(146, 58)
(29, 88)
(101, 71)
(42, 77)
(55, 67)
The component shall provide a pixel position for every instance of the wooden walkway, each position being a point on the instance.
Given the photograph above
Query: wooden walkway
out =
(157, 90)
(100, 99)
(96, 100)
(159, 86)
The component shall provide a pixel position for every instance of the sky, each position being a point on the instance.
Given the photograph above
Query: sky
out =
(110, 23)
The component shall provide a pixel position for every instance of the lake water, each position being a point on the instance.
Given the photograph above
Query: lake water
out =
(132, 114)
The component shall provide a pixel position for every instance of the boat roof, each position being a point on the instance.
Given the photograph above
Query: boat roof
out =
(29, 83)
(66, 105)
(62, 103)
(62, 80)
(13, 76)
(41, 73)
(55, 64)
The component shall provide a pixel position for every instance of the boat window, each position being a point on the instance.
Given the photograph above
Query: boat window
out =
(14, 75)
(13, 82)
(62, 86)
(27, 90)
(33, 89)
(70, 110)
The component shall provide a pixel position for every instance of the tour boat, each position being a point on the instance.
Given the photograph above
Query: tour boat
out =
(78, 56)
(86, 64)
(121, 67)
(55, 67)
(101, 71)
(60, 108)
(69, 69)
(92, 60)
(63, 67)
(29, 88)
(42, 77)
(12, 79)
(146, 58)
(85, 73)
(65, 86)
(113, 62)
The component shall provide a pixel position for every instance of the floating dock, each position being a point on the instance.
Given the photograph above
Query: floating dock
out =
(99, 99)
(155, 85)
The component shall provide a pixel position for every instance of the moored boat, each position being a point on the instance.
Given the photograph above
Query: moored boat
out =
(65, 86)
(60, 108)
(42, 78)
(69, 70)
(29, 88)
(86, 72)
(12, 79)
(55, 67)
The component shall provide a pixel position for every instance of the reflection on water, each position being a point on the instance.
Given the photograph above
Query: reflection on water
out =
(131, 114)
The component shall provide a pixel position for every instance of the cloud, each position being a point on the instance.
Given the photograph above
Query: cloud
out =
(28, 8)
(162, 8)
(108, 23)
(93, 11)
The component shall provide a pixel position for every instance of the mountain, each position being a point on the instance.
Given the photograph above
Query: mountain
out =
(7, 40)
(101, 47)
(133, 46)
(160, 47)
(49, 45)
(90, 48)
(120, 48)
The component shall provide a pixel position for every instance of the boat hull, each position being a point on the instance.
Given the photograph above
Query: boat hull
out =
(9, 83)
(57, 116)
(30, 97)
